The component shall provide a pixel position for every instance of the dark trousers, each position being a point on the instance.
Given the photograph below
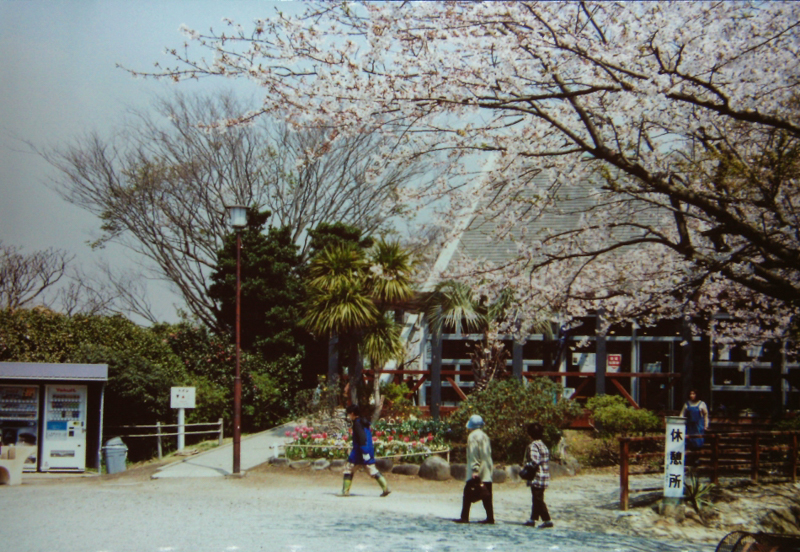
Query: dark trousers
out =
(487, 504)
(538, 507)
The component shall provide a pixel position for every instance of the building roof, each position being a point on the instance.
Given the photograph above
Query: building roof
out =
(53, 371)
(563, 212)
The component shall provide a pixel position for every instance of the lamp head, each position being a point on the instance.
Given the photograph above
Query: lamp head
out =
(238, 216)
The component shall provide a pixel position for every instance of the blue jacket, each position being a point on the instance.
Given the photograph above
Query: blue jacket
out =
(362, 443)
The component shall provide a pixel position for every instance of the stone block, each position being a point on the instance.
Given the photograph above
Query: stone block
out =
(384, 465)
(406, 469)
(300, 464)
(321, 464)
(458, 471)
(499, 475)
(435, 468)
(567, 467)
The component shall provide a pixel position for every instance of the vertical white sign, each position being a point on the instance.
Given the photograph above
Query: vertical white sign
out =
(181, 398)
(674, 456)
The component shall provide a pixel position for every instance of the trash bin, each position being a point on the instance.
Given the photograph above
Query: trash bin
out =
(116, 453)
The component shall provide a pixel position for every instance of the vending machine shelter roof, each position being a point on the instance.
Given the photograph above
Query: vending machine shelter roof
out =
(53, 371)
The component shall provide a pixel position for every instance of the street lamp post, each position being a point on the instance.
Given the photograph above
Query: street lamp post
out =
(238, 219)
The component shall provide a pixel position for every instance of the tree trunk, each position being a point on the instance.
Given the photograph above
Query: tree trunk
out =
(377, 397)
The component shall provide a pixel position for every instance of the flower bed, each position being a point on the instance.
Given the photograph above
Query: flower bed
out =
(406, 441)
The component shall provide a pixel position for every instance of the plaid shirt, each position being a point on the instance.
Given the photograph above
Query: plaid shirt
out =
(538, 454)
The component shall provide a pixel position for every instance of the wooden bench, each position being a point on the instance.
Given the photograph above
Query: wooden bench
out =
(12, 460)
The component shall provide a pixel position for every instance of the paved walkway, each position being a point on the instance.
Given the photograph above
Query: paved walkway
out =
(218, 462)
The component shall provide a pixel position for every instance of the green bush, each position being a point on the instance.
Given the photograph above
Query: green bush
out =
(612, 415)
(507, 407)
(268, 388)
(788, 424)
(396, 403)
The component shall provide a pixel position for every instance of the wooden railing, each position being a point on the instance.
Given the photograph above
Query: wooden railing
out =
(158, 434)
(417, 378)
(742, 453)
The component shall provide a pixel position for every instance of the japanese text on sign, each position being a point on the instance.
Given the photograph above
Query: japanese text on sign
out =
(674, 454)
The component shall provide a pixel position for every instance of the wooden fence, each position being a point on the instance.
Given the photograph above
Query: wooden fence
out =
(158, 434)
(415, 379)
(731, 454)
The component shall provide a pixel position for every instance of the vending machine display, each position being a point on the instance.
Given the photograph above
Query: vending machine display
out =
(19, 418)
(64, 442)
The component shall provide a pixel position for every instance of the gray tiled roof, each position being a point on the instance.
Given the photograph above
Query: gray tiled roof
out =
(476, 242)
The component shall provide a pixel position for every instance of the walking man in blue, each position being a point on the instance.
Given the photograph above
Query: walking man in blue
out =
(363, 453)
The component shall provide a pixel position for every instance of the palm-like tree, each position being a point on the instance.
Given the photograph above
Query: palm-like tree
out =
(350, 295)
(455, 305)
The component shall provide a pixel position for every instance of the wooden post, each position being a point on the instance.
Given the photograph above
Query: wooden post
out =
(220, 432)
(623, 474)
(516, 360)
(600, 355)
(687, 358)
(333, 373)
(158, 432)
(436, 373)
(715, 458)
(754, 471)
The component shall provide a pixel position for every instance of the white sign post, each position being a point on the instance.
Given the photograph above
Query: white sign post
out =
(674, 456)
(181, 398)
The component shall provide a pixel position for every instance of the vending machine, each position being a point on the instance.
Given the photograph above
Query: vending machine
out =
(64, 439)
(19, 418)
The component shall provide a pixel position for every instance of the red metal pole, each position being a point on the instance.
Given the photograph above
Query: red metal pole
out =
(237, 382)
(623, 474)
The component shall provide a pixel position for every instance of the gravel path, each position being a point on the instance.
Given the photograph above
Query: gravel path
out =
(280, 509)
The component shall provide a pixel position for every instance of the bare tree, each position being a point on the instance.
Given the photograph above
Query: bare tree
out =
(105, 292)
(160, 185)
(26, 278)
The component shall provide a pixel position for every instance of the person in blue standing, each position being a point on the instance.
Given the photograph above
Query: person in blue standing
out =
(696, 413)
(363, 453)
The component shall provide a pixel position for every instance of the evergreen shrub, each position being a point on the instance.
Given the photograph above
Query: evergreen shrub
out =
(507, 407)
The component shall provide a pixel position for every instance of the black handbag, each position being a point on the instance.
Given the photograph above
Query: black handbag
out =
(476, 491)
(529, 472)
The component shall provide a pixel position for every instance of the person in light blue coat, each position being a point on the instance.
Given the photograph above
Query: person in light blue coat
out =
(479, 469)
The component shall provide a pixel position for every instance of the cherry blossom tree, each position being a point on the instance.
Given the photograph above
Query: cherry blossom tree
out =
(677, 122)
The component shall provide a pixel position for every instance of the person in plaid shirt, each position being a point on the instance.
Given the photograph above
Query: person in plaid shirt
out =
(539, 455)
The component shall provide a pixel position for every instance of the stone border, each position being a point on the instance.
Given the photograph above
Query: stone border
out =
(434, 468)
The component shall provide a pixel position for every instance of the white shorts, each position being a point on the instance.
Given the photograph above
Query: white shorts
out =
(373, 471)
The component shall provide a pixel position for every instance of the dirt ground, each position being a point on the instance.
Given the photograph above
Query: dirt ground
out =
(588, 502)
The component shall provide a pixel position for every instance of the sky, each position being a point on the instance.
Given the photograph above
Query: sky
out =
(59, 79)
